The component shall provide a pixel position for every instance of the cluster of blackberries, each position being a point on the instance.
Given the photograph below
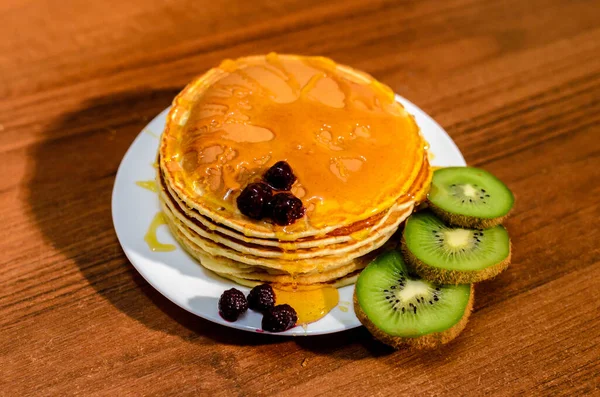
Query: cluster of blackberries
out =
(233, 304)
(258, 200)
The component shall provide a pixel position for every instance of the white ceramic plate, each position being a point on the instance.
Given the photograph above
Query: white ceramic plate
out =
(177, 275)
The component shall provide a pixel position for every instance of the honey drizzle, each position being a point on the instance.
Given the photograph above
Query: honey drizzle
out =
(310, 85)
(150, 237)
(273, 59)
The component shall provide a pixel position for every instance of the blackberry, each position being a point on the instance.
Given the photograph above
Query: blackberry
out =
(254, 200)
(286, 208)
(261, 298)
(279, 318)
(280, 176)
(232, 304)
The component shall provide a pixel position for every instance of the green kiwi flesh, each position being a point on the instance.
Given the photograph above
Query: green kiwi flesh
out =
(454, 255)
(401, 309)
(469, 197)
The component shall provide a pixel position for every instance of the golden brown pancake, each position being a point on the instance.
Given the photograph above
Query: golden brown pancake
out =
(360, 161)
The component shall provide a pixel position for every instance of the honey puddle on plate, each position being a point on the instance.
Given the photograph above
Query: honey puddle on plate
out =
(150, 237)
(150, 185)
(310, 305)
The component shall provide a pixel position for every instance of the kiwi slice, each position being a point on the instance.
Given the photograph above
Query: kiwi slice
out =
(469, 197)
(401, 309)
(453, 255)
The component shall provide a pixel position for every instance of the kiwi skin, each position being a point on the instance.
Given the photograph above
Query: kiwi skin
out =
(445, 276)
(469, 222)
(425, 342)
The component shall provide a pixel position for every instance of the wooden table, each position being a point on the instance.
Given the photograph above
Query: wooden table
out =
(515, 83)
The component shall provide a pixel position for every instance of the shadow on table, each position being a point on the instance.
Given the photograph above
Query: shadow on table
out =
(357, 344)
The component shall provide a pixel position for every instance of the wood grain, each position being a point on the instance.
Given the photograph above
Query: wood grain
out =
(515, 83)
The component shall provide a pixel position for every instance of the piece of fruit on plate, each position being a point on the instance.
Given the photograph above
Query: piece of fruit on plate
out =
(469, 197)
(402, 309)
(454, 255)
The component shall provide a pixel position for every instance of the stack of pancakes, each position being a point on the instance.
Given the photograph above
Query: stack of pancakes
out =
(360, 161)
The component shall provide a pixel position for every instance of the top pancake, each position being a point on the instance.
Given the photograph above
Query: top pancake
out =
(355, 150)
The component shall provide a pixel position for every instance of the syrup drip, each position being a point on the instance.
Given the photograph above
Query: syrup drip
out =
(150, 133)
(361, 234)
(310, 305)
(150, 237)
(150, 185)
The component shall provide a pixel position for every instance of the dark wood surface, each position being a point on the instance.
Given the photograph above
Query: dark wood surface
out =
(515, 83)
